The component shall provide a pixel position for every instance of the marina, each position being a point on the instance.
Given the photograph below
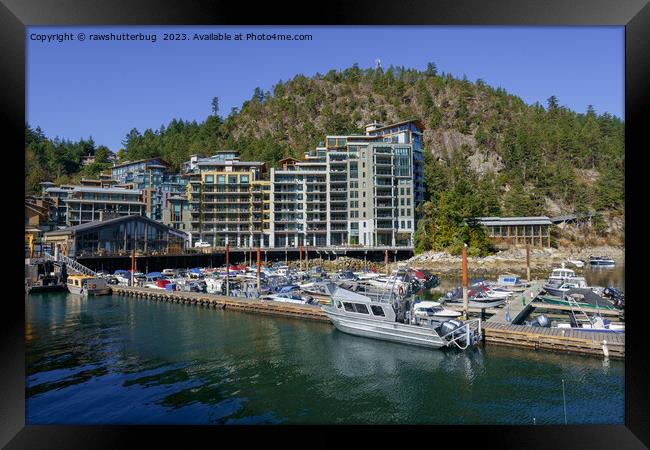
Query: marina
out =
(116, 359)
(391, 306)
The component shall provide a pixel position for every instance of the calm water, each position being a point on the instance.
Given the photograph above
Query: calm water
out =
(117, 360)
(596, 276)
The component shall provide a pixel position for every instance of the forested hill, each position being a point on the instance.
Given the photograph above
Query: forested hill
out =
(487, 151)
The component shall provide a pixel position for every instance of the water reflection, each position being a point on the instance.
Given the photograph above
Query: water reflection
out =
(120, 360)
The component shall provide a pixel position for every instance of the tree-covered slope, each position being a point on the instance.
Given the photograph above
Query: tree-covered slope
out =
(487, 152)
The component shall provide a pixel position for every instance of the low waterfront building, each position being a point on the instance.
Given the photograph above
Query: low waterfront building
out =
(535, 230)
(76, 205)
(118, 237)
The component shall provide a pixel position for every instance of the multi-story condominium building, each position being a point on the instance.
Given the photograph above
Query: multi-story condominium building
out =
(152, 177)
(407, 132)
(299, 203)
(226, 201)
(351, 190)
(81, 204)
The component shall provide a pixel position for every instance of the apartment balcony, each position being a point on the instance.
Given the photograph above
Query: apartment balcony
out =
(384, 225)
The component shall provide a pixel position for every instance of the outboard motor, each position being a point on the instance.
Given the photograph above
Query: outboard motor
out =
(450, 326)
(540, 321)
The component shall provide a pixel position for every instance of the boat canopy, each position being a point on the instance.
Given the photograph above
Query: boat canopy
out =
(154, 274)
(425, 305)
(288, 288)
(344, 294)
(195, 270)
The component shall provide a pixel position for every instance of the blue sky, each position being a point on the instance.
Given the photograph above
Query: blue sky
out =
(104, 89)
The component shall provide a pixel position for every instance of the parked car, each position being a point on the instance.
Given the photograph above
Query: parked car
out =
(201, 244)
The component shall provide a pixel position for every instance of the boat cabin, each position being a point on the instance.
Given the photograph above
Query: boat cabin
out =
(561, 274)
(508, 280)
(363, 306)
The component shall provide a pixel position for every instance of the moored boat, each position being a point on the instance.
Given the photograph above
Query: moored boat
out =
(87, 285)
(560, 288)
(600, 261)
(359, 315)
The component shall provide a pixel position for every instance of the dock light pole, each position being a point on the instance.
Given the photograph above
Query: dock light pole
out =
(465, 282)
(227, 272)
(258, 271)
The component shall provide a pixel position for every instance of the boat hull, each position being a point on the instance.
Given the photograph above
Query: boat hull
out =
(88, 292)
(475, 304)
(386, 331)
(602, 263)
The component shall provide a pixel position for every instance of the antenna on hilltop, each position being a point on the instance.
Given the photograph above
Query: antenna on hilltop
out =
(377, 63)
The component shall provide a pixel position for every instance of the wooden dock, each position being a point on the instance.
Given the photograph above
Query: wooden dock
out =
(558, 339)
(519, 306)
(498, 330)
(311, 312)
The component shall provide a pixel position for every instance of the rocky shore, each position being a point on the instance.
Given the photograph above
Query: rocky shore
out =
(504, 261)
(512, 259)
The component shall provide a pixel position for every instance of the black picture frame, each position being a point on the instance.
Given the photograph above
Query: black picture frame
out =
(15, 15)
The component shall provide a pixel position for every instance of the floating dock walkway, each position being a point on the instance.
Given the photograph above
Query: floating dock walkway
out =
(498, 330)
(311, 312)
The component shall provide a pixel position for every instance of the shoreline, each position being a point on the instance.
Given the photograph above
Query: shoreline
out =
(513, 259)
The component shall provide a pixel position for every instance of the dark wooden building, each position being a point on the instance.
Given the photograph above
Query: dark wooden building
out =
(535, 230)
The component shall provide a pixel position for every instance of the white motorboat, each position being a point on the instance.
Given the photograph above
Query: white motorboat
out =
(367, 275)
(87, 285)
(600, 261)
(561, 274)
(576, 262)
(434, 311)
(560, 288)
(360, 315)
(289, 297)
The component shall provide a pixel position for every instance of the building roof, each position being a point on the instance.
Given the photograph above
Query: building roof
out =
(527, 220)
(417, 122)
(100, 223)
(100, 190)
(138, 161)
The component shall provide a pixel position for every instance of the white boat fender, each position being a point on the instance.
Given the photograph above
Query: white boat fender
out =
(605, 349)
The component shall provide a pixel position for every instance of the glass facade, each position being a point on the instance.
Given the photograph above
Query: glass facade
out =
(120, 238)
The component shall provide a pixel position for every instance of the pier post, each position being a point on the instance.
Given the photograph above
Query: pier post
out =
(307, 259)
(465, 281)
(227, 271)
(258, 272)
(300, 256)
(527, 262)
